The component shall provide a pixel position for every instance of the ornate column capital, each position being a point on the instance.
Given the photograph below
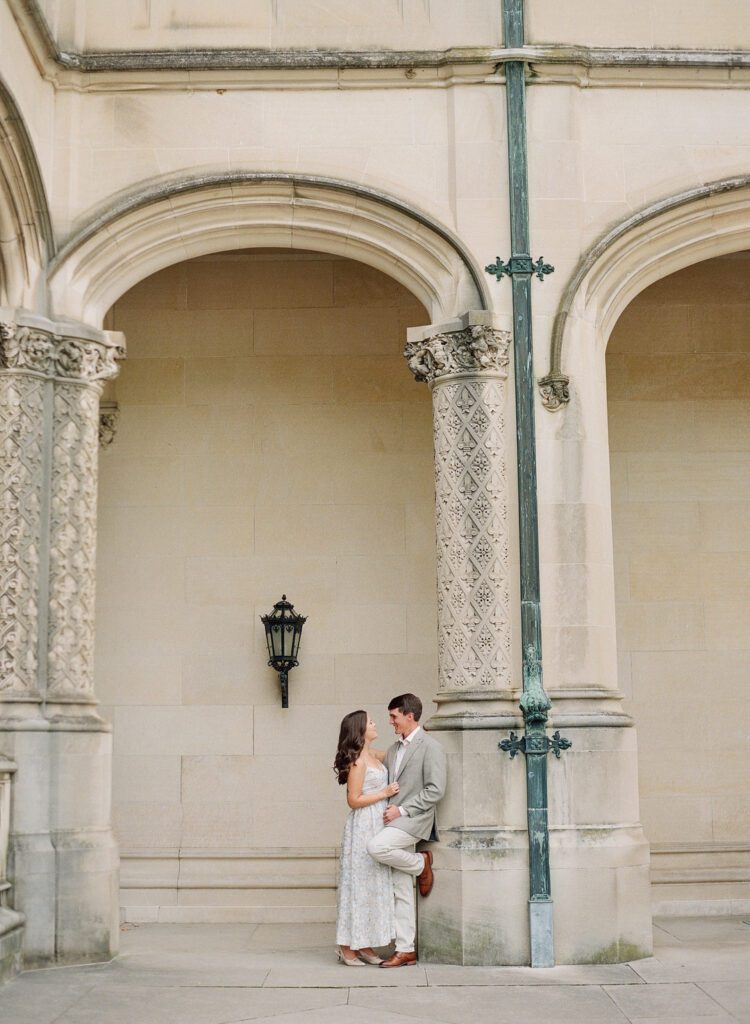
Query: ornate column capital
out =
(473, 348)
(58, 351)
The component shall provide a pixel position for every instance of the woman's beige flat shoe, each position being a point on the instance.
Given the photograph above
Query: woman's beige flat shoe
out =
(349, 963)
(375, 961)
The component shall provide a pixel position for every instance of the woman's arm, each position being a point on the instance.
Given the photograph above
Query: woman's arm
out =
(356, 781)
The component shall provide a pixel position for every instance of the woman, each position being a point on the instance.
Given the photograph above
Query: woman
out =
(365, 898)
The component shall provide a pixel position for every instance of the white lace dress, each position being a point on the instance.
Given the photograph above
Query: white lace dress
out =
(365, 897)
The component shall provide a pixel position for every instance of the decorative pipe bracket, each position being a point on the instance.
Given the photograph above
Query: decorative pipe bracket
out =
(519, 265)
(535, 743)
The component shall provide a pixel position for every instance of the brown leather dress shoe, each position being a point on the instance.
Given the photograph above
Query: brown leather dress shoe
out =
(426, 879)
(400, 960)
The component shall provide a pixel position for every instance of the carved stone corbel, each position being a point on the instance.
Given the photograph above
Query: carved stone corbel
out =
(555, 392)
(109, 417)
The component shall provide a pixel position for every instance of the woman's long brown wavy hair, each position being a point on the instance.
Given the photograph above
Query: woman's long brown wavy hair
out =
(351, 743)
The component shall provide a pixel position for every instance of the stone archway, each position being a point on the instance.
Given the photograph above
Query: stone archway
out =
(27, 241)
(174, 220)
(679, 405)
(573, 444)
(702, 222)
(59, 739)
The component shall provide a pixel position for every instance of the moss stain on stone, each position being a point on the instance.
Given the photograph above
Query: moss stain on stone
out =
(617, 952)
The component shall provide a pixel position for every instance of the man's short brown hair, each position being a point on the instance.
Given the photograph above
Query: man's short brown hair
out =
(407, 704)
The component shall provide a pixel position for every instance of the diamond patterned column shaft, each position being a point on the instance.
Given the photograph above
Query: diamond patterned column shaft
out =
(467, 371)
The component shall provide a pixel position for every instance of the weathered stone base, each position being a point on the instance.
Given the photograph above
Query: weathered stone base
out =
(87, 926)
(11, 936)
(478, 912)
(63, 859)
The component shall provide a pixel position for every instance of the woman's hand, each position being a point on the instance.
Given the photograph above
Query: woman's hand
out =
(391, 789)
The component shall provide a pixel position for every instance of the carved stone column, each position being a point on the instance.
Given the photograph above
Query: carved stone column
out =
(24, 732)
(478, 913)
(22, 397)
(82, 365)
(62, 855)
(467, 369)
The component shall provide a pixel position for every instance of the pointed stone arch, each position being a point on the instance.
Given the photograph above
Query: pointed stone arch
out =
(26, 241)
(673, 233)
(169, 221)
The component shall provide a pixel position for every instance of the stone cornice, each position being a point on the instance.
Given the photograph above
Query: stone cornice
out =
(97, 66)
(262, 59)
(473, 349)
(59, 352)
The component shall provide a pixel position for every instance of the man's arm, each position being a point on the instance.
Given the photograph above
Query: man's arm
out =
(435, 776)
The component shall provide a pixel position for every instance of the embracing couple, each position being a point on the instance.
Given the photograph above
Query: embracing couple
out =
(392, 795)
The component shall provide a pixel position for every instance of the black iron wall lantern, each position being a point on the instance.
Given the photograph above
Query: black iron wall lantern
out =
(283, 633)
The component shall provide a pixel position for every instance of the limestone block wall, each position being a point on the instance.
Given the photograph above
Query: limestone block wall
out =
(723, 24)
(390, 24)
(278, 24)
(679, 425)
(271, 439)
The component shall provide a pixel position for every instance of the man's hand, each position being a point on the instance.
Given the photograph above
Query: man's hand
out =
(391, 813)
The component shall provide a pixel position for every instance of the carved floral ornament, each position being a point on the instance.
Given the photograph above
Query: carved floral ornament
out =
(470, 350)
(54, 355)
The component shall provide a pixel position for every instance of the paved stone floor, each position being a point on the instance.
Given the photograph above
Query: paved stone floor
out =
(222, 974)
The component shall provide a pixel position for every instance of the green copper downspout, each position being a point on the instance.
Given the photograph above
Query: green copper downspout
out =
(534, 701)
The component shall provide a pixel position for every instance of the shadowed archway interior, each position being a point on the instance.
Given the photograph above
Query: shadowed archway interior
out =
(678, 378)
(271, 438)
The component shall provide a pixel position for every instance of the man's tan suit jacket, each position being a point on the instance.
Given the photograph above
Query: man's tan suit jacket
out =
(421, 778)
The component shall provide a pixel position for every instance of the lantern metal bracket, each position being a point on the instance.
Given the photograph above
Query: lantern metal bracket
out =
(284, 680)
(535, 743)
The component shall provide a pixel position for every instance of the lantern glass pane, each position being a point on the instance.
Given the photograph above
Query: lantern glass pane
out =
(297, 635)
(288, 638)
(276, 639)
(269, 645)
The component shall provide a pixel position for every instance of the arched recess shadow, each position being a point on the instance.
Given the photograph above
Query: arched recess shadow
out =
(26, 240)
(710, 220)
(177, 219)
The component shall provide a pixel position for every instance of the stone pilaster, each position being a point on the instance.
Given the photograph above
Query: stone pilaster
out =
(466, 367)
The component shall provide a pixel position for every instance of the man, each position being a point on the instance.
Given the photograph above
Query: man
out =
(417, 763)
